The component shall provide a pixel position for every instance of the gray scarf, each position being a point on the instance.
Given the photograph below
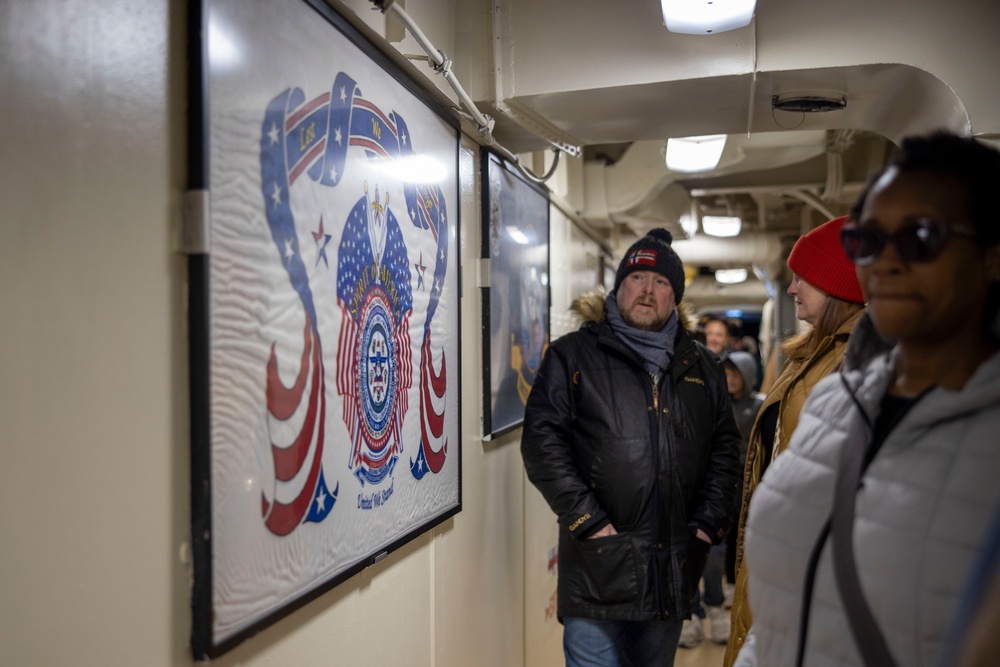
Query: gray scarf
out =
(655, 347)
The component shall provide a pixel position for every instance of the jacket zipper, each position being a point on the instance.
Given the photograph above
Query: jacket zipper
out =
(654, 428)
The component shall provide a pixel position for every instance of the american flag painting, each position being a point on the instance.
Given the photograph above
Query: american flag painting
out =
(334, 317)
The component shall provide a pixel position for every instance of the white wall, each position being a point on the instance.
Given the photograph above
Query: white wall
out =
(93, 397)
(92, 413)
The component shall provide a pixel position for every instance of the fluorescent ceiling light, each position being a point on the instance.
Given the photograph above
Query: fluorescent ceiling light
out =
(701, 17)
(691, 154)
(721, 225)
(730, 276)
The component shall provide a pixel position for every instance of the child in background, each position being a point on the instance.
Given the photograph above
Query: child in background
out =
(741, 374)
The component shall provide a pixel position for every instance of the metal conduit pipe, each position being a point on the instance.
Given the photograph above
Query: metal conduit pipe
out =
(516, 161)
(762, 248)
(810, 200)
(442, 64)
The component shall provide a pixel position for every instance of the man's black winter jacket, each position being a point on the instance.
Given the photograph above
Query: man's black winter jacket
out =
(603, 443)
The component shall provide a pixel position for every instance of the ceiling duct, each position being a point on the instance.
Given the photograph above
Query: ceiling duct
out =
(760, 248)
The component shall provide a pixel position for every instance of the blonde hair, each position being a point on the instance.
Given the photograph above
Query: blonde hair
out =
(831, 317)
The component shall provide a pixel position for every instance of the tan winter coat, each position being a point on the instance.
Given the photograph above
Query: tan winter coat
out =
(789, 391)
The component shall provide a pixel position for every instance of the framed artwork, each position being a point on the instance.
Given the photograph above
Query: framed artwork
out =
(516, 296)
(324, 311)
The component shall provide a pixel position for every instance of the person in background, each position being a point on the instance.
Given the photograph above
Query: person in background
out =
(741, 369)
(739, 342)
(716, 334)
(629, 435)
(711, 605)
(827, 296)
(862, 535)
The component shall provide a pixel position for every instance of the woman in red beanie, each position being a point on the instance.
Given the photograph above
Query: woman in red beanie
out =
(827, 296)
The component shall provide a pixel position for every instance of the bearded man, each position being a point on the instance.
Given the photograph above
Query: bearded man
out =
(630, 437)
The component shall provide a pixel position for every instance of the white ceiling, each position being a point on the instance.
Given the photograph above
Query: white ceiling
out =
(607, 80)
(610, 79)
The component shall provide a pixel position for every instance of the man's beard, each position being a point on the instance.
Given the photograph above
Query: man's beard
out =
(647, 323)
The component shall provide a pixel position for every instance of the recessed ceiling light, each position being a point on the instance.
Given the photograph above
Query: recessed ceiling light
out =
(693, 154)
(730, 276)
(706, 17)
(721, 225)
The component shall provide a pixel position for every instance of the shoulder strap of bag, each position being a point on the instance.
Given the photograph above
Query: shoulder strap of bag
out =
(864, 630)
(807, 591)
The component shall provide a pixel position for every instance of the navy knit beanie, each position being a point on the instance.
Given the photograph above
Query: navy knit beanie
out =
(653, 253)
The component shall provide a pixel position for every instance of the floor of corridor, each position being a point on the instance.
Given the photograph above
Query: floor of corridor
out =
(705, 654)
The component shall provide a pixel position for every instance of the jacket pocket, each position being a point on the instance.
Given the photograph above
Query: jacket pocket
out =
(608, 564)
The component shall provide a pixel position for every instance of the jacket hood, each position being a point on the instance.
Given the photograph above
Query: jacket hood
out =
(590, 307)
(747, 366)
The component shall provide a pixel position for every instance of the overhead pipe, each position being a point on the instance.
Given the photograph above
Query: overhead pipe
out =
(801, 192)
(441, 64)
(762, 248)
(810, 200)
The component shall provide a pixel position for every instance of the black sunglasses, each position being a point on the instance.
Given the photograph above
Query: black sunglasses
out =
(919, 241)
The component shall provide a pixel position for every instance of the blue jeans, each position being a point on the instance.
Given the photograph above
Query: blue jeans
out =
(591, 643)
(714, 595)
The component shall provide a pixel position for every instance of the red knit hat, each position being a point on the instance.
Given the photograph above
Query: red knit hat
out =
(819, 259)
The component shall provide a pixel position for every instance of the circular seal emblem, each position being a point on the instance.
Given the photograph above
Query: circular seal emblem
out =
(377, 364)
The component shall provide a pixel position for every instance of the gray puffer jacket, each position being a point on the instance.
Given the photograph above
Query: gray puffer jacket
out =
(922, 511)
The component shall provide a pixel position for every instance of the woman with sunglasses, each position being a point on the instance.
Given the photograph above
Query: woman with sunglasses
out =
(828, 297)
(860, 537)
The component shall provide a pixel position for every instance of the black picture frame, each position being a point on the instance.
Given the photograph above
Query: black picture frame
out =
(516, 294)
(324, 310)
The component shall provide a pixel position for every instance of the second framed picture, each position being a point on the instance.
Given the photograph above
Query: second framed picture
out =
(516, 297)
